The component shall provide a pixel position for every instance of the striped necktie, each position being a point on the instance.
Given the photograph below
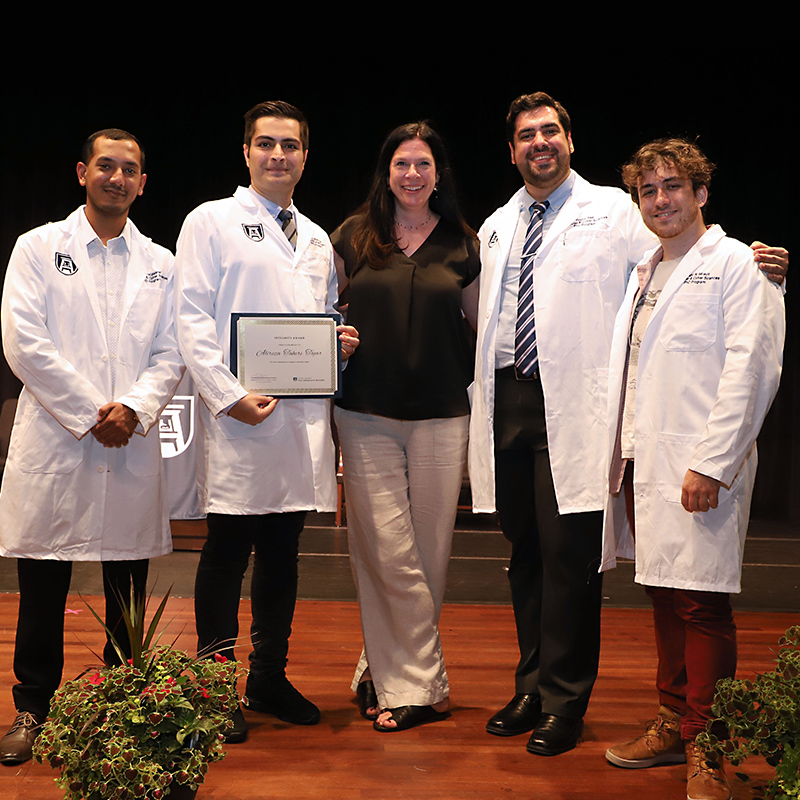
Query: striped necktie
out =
(526, 358)
(288, 227)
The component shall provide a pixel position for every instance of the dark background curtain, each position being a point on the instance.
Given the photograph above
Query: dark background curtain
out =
(188, 114)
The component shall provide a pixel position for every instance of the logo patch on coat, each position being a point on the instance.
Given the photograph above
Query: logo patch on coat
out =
(176, 426)
(65, 265)
(254, 231)
(493, 240)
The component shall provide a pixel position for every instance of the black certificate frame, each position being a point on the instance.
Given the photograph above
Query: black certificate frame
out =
(289, 319)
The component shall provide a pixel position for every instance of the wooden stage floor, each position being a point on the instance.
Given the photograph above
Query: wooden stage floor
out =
(343, 757)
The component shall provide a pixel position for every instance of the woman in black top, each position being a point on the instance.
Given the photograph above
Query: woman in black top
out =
(411, 264)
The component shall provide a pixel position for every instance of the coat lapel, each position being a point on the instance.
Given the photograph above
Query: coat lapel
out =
(140, 269)
(567, 215)
(73, 244)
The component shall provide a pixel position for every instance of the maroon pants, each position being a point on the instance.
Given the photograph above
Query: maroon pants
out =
(696, 641)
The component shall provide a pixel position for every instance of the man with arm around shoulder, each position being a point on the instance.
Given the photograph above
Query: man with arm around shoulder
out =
(695, 364)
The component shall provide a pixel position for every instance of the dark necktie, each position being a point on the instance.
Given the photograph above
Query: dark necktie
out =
(526, 357)
(288, 227)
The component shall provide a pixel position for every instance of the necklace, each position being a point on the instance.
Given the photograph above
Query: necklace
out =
(415, 227)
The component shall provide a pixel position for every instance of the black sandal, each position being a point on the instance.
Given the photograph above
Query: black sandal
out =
(367, 698)
(410, 716)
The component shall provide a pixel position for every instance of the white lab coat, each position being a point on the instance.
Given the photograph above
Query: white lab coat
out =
(64, 495)
(580, 273)
(286, 463)
(709, 367)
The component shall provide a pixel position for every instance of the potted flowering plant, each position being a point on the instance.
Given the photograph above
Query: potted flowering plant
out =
(763, 718)
(146, 729)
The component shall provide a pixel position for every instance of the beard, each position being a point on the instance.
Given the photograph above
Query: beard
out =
(551, 175)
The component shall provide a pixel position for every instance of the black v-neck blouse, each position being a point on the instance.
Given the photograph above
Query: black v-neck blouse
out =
(414, 360)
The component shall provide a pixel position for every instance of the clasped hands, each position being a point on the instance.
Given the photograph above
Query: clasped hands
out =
(115, 425)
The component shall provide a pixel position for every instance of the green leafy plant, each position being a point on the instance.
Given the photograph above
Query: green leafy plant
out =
(763, 718)
(144, 728)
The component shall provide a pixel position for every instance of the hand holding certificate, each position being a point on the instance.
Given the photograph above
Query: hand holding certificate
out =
(287, 355)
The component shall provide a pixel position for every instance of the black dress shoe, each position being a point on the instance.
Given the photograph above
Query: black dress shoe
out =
(238, 733)
(285, 702)
(16, 746)
(554, 735)
(519, 716)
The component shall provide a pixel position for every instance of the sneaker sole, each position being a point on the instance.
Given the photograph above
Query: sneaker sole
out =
(644, 763)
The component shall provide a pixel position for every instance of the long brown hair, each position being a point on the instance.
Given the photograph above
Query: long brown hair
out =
(373, 238)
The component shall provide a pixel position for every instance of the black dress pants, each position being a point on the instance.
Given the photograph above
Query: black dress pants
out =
(274, 539)
(39, 646)
(555, 585)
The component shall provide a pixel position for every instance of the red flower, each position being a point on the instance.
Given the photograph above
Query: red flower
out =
(220, 658)
(96, 679)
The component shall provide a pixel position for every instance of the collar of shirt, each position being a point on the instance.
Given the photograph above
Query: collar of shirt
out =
(87, 234)
(273, 209)
(644, 271)
(556, 199)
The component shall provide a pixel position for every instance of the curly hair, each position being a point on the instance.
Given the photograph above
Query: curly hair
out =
(685, 156)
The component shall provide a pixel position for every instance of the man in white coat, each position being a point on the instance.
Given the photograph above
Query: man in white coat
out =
(267, 462)
(88, 327)
(695, 364)
(537, 435)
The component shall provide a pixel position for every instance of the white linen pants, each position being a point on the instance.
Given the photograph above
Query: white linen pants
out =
(402, 479)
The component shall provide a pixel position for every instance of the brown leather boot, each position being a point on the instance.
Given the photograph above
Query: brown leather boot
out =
(660, 744)
(705, 775)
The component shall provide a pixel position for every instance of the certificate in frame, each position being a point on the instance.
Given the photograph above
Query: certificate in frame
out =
(287, 355)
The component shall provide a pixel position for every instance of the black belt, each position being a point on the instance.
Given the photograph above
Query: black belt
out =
(506, 372)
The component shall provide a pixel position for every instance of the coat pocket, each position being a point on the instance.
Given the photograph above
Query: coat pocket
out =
(40, 444)
(315, 266)
(584, 254)
(691, 322)
(145, 312)
(143, 454)
(672, 461)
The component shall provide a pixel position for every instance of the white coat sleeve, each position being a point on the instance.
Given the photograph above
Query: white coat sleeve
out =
(154, 388)
(198, 272)
(30, 348)
(754, 329)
